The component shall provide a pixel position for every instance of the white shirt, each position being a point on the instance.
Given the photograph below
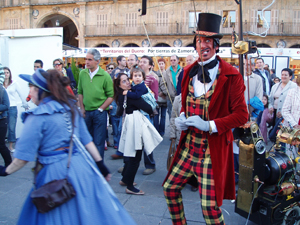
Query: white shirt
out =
(14, 94)
(199, 87)
(92, 74)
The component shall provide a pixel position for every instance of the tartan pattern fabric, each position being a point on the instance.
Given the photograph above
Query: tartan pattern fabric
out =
(198, 106)
(185, 166)
(194, 160)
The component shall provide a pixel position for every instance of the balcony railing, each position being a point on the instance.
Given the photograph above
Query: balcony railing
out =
(9, 3)
(12, 3)
(280, 28)
(113, 29)
(50, 2)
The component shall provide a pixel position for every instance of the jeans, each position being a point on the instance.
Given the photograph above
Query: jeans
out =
(258, 120)
(170, 106)
(273, 133)
(120, 132)
(115, 120)
(96, 123)
(149, 161)
(12, 121)
(236, 167)
(160, 125)
(3, 149)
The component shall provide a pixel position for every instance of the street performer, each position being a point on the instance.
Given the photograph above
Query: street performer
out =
(212, 104)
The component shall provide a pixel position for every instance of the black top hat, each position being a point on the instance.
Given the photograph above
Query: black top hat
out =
(209, 25)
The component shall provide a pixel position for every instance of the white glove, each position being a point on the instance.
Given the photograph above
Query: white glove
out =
(25, 106)
(196, 121)
(180, 122)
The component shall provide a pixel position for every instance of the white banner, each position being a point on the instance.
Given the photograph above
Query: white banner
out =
(225, 52)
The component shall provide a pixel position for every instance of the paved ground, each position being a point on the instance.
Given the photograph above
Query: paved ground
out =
(150, 209)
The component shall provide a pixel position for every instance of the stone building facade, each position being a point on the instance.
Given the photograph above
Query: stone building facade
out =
(117, 23)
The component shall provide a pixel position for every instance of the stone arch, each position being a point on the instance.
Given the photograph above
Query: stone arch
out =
(225, 45)
(162, 45)
(295, 46)
(67, 21)
(131, 45)
(263, 45)
(102, 46)
(190, 45)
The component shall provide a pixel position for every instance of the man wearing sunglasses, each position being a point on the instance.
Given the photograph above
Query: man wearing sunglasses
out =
(58, 64)
(110, 67)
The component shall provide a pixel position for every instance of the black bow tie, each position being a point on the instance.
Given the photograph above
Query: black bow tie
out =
(197, 69)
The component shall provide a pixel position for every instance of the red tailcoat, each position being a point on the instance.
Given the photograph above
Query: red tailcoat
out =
(228, 110)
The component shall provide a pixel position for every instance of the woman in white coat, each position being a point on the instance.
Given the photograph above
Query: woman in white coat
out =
(291, 107)
(277, 96)
(137, 132)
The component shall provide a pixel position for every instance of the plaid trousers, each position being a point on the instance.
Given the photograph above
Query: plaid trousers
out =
(194, 160)
(185, 166)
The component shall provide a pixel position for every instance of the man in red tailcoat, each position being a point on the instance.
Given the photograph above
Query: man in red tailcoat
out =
(212, 104)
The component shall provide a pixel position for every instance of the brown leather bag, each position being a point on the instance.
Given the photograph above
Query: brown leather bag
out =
(53, 193)
(171, 153)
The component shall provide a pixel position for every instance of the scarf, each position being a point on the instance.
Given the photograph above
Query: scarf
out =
(64, 72)
(197, 69)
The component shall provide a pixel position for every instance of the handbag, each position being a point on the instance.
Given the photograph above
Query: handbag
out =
(54, 193)
(161, 100)
(124, 110)
(171, 153)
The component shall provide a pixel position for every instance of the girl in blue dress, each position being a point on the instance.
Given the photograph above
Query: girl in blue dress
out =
(46, 133)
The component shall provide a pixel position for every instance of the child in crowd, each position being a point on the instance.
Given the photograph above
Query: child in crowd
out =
(139, 88)
(266, 117)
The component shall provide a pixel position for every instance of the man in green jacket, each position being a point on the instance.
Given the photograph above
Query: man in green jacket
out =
(95, 92)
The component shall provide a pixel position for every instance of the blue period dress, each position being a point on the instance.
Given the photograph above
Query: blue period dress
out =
(46, 128)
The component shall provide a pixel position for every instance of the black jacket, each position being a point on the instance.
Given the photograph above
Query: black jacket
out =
(263, 79)
(133, 104)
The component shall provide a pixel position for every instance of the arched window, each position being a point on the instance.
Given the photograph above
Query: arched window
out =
(70, 32)
(131, 45)
(162, 45)
(225, 45)
(263, 46)
(295, 46)
(102, 46)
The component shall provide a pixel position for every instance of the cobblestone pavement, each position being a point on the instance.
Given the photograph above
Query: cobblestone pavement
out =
(150, 209)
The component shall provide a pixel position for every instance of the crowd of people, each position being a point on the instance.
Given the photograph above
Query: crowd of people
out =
(127, 97)
(205, 101)
(269, 101)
